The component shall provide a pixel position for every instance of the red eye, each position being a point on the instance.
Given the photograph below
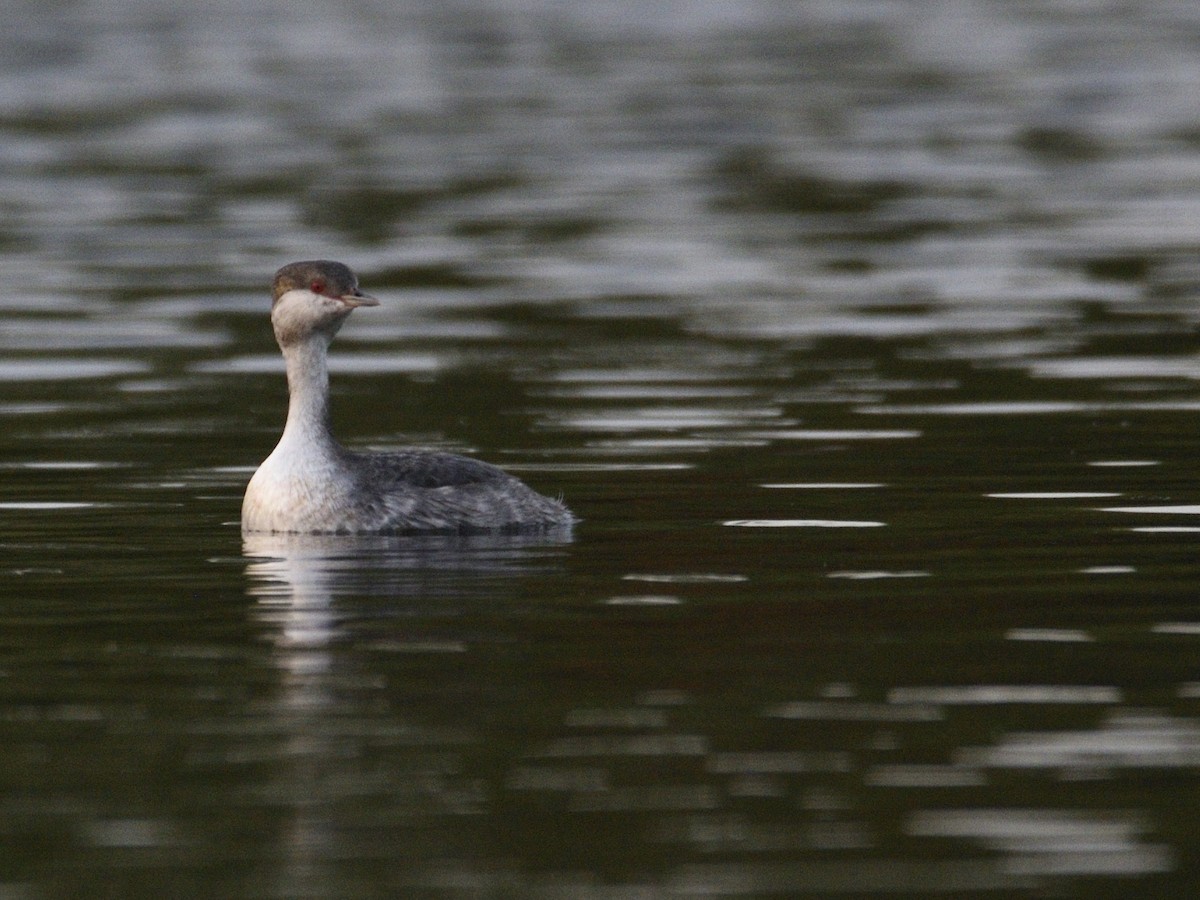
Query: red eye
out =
(317, 286)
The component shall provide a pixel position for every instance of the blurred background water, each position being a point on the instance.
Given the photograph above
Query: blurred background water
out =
(862, 336)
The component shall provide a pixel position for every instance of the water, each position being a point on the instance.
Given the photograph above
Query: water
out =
(861, 336)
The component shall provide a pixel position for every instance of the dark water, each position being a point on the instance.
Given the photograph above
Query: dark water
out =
(862, 337)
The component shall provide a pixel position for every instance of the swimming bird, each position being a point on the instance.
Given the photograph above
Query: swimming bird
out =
(312, 484)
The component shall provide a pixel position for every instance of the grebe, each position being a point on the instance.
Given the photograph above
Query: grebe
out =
(310, 483)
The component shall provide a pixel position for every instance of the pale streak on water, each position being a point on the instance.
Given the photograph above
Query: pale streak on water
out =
(843, 327)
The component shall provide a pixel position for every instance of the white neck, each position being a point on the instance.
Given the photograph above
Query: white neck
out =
(308, 390)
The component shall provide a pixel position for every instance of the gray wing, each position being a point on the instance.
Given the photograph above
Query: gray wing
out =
(413, 490)
(399, 469)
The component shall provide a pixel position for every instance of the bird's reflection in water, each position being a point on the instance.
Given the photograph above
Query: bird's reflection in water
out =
(295, 578)
(330, 708)
(306, 566)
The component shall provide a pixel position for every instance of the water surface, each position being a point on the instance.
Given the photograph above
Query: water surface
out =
(861, 337)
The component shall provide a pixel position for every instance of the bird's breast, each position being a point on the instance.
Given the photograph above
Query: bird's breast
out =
(296, 493)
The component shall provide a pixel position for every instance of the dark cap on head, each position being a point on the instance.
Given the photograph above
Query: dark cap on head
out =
(321, 276)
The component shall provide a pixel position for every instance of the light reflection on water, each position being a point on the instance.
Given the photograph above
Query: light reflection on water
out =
(839, 325)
